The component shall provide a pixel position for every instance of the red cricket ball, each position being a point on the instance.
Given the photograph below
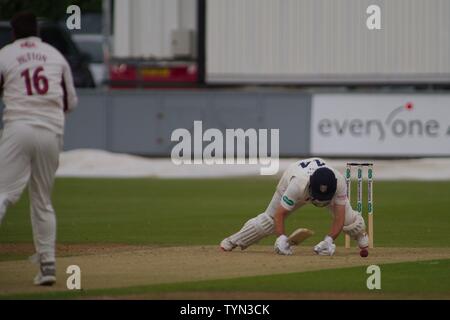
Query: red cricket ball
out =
(364, 253)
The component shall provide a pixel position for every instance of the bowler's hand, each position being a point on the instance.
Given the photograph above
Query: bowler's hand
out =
(282, 246)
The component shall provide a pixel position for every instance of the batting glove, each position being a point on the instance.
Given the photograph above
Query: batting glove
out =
(325, 247)
(282, 246)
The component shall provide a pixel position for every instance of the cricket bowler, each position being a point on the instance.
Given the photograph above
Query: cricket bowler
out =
(37, 89)
(305, 181)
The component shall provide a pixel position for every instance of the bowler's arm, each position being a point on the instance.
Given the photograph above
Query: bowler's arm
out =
(338, 221)
(70, 95)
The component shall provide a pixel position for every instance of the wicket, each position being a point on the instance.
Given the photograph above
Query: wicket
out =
(359, 203)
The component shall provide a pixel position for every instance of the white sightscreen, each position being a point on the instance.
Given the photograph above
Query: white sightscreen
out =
(295, 41)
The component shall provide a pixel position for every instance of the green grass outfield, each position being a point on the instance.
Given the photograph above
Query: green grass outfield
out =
(203, 211)
(185, 212)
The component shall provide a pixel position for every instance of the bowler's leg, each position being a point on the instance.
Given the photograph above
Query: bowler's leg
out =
(43, 168)
(14, 168)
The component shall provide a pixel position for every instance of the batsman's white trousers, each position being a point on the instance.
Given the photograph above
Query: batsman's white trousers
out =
(30, 155)
(263, 225)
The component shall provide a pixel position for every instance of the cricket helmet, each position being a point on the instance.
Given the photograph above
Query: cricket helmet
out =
(322, 184)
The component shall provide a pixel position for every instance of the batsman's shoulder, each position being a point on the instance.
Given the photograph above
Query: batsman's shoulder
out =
(298, 181)
(337, 173)
(341, 188)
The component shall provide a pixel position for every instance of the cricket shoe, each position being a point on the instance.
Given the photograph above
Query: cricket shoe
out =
(227, 245)
(363, 240)
(46, 275)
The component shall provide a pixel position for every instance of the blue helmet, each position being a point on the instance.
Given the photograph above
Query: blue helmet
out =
(322, 184)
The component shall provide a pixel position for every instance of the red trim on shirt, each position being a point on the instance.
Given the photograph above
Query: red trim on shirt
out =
(63, 85)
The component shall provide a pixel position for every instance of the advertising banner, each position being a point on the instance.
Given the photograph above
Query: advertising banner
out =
(380, 124)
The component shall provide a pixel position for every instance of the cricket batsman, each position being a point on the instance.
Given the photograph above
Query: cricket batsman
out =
(305, 181)
(37, 89)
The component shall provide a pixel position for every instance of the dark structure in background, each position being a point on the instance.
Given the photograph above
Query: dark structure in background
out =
(201, 36)
(52, 10)
(52, 31)
(58, 37)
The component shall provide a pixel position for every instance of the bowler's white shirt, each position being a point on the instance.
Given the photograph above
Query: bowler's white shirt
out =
(37, 84)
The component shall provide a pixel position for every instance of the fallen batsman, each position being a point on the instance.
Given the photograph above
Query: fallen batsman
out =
(308, 181)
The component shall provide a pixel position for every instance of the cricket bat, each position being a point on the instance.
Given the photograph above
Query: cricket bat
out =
(299, 235)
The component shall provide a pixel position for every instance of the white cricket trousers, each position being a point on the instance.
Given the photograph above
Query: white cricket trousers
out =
(30, 155)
